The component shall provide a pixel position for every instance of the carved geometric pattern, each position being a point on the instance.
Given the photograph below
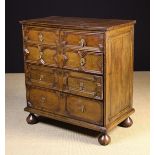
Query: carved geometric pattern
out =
(60, 56)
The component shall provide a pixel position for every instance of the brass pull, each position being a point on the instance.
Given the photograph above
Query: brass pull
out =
(42, 61)
(83, 109)
(26, 51)
(29, 104)
(41, 77)
(82, 61)
(82, 42)
(41, 38)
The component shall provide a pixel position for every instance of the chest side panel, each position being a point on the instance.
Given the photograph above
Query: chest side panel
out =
(119, 73)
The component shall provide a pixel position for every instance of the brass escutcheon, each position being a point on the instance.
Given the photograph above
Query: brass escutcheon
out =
(41, 37)
(82, 61)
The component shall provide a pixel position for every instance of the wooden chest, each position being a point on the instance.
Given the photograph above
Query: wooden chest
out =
(79, 71)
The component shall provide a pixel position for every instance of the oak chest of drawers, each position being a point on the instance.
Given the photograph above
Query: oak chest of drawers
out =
(79, 71)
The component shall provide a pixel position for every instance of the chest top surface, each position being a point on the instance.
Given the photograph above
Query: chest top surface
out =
(79, 23)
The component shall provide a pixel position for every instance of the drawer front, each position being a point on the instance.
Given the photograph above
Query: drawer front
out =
(41, 54)
(83, 38)
(40, 35)
(43, 99)
(75, 50)
(85, 109)
(83, 84)
(41, 76)
(87, 60)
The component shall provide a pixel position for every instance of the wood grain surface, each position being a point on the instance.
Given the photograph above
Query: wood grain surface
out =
(80, 71)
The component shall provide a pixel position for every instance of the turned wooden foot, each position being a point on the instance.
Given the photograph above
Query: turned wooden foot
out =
(126, 123)
(31, 119)
(104, 139)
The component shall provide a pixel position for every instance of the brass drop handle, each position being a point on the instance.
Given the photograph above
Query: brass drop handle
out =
(41, 77)
(26, 51)
(82, 61)
(82, 42)
(83, 109)
(41, 38)
(29, 104)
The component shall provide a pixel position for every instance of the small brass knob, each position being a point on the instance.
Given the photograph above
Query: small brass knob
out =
(82, 42)
(41, 61)
(29, 104)
(26, 51)
(83, 109)
(41, 77)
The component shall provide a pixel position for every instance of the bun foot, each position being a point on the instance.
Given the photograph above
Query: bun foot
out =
(126, 123)
(104, 139)
(31, 119)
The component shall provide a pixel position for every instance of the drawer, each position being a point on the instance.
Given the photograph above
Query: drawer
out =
(47, 100)
(83, 84)
(84, 109)
(40, 35)
(41, 76)
(83, 38)
(86, 60)
(40, 54)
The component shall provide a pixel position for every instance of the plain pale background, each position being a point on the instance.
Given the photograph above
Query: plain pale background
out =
(50, 137)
